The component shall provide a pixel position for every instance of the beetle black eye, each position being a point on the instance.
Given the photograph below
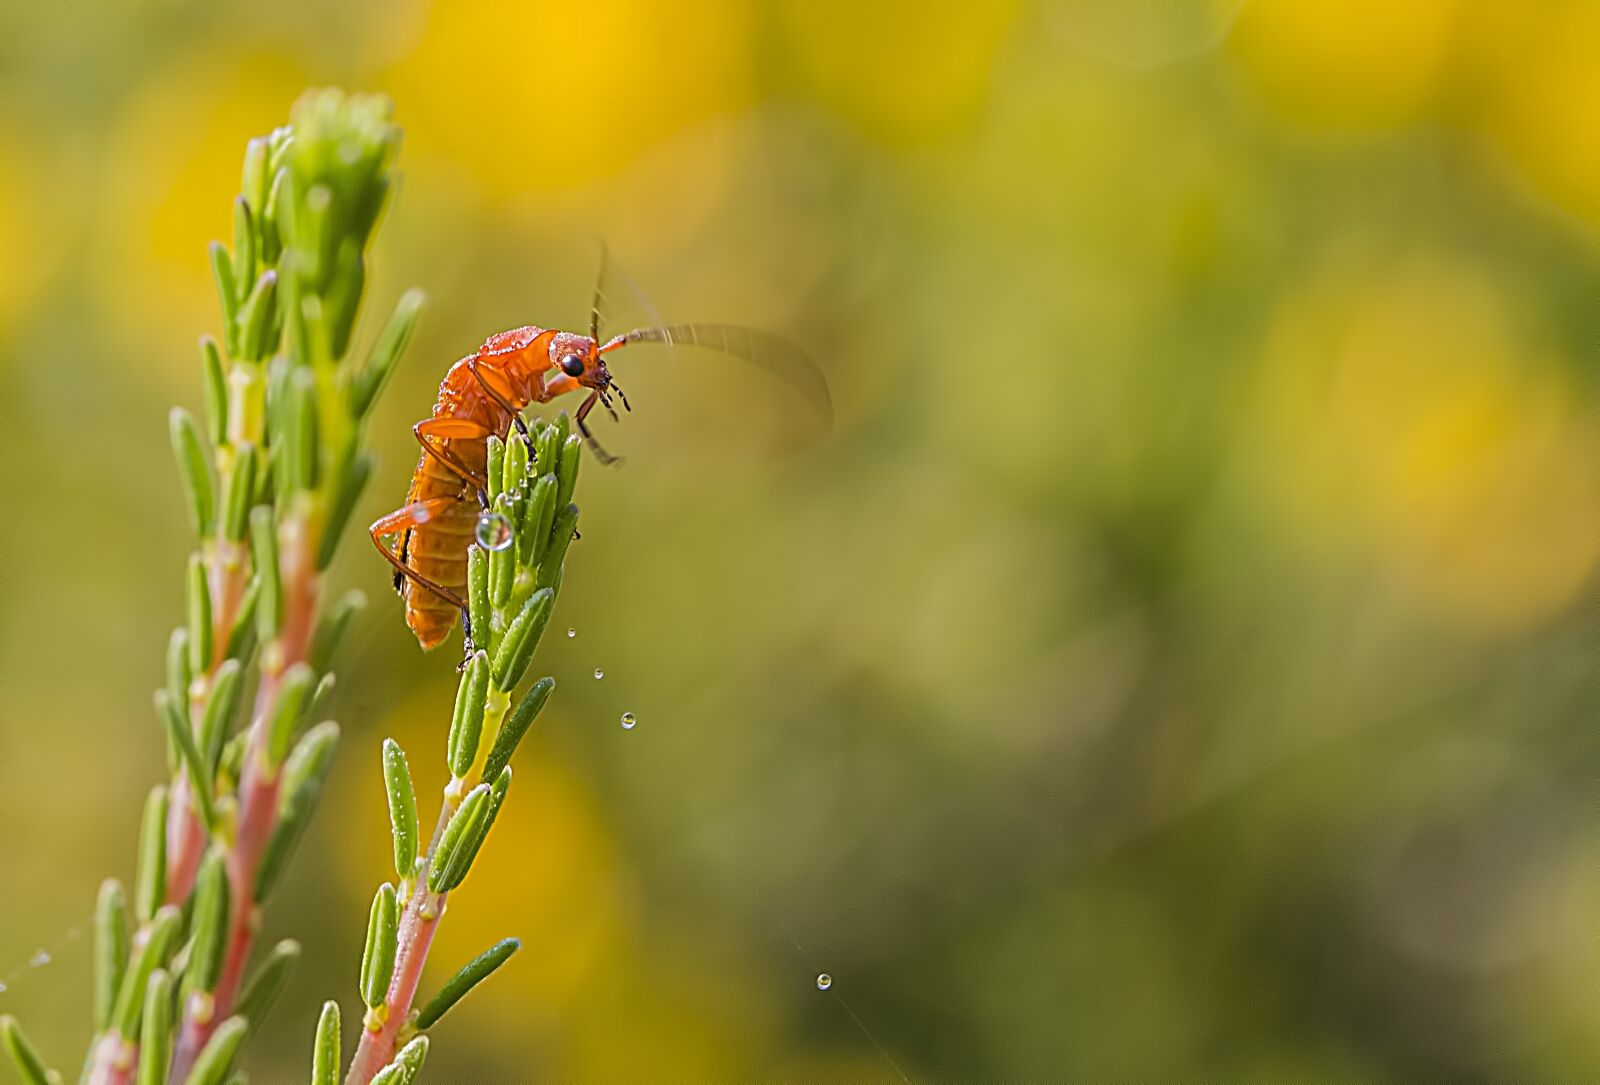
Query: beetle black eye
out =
(572, 365)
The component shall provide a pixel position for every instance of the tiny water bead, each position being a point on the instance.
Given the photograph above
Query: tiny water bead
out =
(39, 959)
(824, 981)
(628, 720)
(494, 531)
(599, 674)
(571, 633)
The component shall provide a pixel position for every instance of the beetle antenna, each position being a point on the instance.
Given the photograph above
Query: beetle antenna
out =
(599, 296)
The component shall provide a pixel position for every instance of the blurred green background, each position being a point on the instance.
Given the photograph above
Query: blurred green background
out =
(1175, 663)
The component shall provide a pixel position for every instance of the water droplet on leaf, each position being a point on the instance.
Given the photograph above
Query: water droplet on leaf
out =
(824, 981)
(571, 633)
(494, 531)
(599, 674)
(39, 959)
(628, 720)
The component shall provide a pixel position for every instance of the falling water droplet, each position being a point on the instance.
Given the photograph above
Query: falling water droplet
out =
(824, 981)
(628, 720)
(494, 531)
(571, 633)
(599, 674)
(39, 959)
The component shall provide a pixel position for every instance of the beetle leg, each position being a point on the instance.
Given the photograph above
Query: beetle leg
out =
(558, 386)
(405, 551)
(583, 427)
(404, 519)
(432, 432)
(479, 371)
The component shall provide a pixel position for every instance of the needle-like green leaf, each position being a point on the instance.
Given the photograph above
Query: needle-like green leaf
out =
(495, 457)
(257, 318)
(303, 776)
(352, 481)
(244, 242)
(386, 353)
(23, 1054)
(515, 473)
(227, 294)
(503, 562)
(497, 798)
(402, 808)
(110, 948)
(406, 1065)
(521, 637)
(330, 631)
(567, 472)
(478, 596)
(151, 887)
(538, 511)
(189, 757)
(221, 706)
(456, 847)
(208, 925)
(216, 1058)
(192, 470)
(473, 973)
(242, 637)
(155, 1031)
(148, 955)
(264, 549)
(289, 711)
(236, 503)
(216, 389)
(264, 987)
(200, 631)
(515, 725)
(325, 1057)
(377, 958)
(466, 723)
(561, 533)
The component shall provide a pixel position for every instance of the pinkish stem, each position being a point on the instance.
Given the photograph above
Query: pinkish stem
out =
(186, 839)
(258, 798)
(417, 926)
(412, 941)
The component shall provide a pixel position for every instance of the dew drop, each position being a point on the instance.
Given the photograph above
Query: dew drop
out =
(571, 633)
(599, 674)
(39, 959)
(494, 531)
(824, 981)
(2, 986)
(628, 720)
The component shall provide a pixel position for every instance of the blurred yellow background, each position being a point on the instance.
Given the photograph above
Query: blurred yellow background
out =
(1176, 662)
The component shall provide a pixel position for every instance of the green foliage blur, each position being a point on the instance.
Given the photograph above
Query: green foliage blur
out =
(1176, 663)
